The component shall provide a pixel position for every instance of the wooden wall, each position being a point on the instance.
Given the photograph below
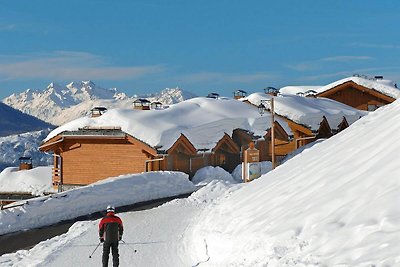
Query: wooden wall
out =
(356, 96)
(90, 160)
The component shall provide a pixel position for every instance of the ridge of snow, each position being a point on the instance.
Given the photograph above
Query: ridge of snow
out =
(117, 191)
(335, 204)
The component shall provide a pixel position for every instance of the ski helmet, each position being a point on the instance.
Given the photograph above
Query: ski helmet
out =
(110, 208)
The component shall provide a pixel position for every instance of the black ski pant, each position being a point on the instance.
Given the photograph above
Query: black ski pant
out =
(106, 253)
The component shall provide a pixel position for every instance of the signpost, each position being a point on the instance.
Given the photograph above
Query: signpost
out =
(251, 168)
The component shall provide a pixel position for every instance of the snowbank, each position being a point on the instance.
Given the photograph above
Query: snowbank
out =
(336, 204)
(35, 181)
(207, 174)
(118, 191)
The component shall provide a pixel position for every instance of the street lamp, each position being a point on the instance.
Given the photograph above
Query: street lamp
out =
(262, 108)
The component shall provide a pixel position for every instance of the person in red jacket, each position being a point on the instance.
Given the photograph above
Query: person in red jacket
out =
(110, 231)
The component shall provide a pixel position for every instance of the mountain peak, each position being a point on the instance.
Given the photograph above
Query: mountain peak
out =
(59, 104)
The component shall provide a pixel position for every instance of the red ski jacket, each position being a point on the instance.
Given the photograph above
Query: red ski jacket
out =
(111, 228)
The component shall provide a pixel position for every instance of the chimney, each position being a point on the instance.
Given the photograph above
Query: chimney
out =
(98, 111)
(25, 163)
(238, 94)
(271, 91)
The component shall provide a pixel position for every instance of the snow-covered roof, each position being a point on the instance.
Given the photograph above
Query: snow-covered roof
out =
(202, 120)
(35, 181)
(309, 111)
(292, 90)
(385, 87)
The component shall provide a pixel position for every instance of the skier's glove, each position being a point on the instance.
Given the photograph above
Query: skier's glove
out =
(101, 239)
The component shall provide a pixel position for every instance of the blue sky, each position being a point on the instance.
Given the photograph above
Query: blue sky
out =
(201, 46)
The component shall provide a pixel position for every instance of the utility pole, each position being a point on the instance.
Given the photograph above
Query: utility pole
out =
(273, 133)
(262, 108)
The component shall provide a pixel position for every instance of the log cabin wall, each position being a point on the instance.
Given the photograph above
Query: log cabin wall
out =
(226, 160)
(357, 96)
(242, 139)
(85, 161)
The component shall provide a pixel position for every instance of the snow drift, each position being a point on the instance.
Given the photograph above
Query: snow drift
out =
(117, 191)
(336, 204)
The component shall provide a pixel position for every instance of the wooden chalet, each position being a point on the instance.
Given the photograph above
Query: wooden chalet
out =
(357, 95)
(180, 155)
(91, 154)
(226, 154)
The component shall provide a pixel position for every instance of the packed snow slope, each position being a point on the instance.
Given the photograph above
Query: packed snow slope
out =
(156, 234)
(13, 121)
(59, 104)
(116, 191)
(336, 204)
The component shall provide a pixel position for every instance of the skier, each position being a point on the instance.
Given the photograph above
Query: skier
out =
(110, 231)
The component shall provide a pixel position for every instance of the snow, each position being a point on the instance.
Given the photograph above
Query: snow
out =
(204, 121)
(36, 181)
(292, 90)
(117, 191)
(208, 174)
(385, 87)
(309, 111)
(59, 104)
(23, 145)
(334, 204)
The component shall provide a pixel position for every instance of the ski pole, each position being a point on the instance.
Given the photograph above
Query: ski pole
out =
(128, 244)
(90, 256)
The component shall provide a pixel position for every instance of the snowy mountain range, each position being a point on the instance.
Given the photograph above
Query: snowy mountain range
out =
(59, 104)
(13, 121)
(23, 145)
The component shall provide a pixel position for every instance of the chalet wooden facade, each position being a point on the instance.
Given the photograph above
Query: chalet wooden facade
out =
(88, 155)
(92, 154)
(357, 96)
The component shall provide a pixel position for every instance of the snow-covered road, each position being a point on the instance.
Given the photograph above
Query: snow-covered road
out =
(158, 236)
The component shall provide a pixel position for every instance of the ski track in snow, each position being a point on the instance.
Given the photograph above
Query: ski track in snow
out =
(158, 235)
